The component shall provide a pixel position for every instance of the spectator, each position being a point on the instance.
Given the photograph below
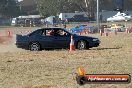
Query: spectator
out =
(51, 32)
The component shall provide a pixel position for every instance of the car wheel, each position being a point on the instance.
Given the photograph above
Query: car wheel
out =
(34, 46)
(82, 45)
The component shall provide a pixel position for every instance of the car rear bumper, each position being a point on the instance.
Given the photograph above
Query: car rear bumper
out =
(22, 45)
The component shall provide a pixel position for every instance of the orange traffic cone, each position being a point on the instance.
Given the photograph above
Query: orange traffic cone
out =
(9, 34)
(72, 47)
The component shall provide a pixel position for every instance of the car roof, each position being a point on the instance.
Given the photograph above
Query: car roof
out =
(50, 28)
(55, 28)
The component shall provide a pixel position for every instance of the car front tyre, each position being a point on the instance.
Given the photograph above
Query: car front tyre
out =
(34, 46)
(82, 45)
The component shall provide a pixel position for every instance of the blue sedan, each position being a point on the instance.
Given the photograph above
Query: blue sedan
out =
(54, 38)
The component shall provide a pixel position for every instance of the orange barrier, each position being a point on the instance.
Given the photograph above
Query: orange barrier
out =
(72, 46)
(101, 33)
(84, 31)
(80, 33)
(87, 31)
(127, 30)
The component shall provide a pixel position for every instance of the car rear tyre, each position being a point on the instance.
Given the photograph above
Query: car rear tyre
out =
(35, 46)
(82, 45)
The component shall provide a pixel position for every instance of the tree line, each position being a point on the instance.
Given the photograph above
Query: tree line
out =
(53, 7)
(11, 8)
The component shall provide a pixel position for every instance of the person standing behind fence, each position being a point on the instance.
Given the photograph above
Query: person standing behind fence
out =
(65, 22)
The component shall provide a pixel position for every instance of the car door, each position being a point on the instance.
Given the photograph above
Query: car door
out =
(40, 36)
(62, 41)
(47, 41)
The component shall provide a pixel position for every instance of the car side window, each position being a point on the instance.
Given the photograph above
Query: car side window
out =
(37, 32)
(64, 33)
(54, 32)
(48, 32)
(61, 32)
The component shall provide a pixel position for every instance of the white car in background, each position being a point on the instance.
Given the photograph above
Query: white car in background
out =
(120, 17)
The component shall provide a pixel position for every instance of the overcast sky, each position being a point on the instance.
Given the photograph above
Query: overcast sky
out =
(20, 0)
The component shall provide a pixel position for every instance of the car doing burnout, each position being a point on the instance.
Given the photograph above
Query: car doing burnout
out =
(54, 38)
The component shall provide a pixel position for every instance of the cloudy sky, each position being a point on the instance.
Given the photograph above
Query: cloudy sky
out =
(20, 0)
